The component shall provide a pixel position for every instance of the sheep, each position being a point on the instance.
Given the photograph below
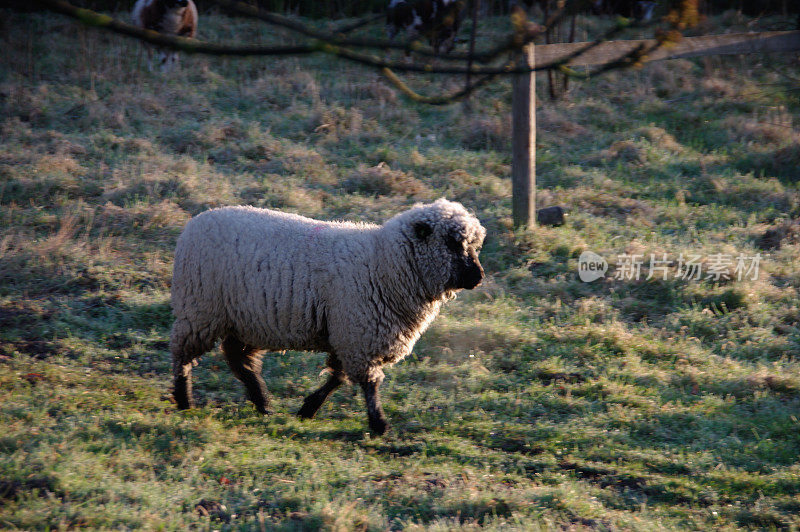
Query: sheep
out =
(266, 280)
(171, 17)
(438, 20)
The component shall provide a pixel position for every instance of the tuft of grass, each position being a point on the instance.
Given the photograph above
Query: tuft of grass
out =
(381, 180)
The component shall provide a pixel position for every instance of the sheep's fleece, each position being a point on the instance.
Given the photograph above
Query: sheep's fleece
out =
(266, 280)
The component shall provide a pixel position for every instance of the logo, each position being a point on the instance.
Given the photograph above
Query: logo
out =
(716, 268)
(591, 266)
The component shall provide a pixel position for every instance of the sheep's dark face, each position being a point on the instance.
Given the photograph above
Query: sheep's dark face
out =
(447, 251)
(465, 268)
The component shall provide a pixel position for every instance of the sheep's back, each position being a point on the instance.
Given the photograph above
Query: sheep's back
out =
(261, 274)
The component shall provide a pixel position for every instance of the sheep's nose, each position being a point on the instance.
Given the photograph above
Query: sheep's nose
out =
(474, 276)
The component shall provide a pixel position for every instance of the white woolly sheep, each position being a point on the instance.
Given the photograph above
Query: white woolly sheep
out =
(267, 280)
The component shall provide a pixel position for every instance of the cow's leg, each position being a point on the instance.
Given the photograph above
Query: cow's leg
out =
(186, 347)
(164, 60)
(245, 363)
(314, 401)
(169, 61)
(377, 420)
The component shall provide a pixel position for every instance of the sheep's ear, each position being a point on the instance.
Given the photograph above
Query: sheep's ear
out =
(422, 230)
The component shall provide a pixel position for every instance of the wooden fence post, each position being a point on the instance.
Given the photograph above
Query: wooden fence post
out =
(523, 164)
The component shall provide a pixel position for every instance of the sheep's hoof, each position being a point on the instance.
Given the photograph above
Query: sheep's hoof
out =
(307, 411)
(182, 402)
(378, 426)
(310, 407)
(265, 410)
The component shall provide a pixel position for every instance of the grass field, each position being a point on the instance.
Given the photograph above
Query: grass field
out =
(536, 401)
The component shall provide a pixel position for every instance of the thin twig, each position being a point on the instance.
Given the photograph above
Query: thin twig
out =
(435, 100)
(524, 32)
(92, 18)
(347, 28)
(95, 19)
(335, 37)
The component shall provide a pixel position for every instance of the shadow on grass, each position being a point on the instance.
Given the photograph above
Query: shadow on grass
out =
(164, 440)
(782, 162)
(11, 488)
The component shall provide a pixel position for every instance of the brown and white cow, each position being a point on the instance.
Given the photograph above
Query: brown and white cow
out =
(437, 20)
(171, 17)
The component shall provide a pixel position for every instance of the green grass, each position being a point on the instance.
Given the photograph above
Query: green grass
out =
(536, 401)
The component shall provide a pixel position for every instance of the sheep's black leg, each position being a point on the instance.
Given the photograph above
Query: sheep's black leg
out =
(182, 391)
(185, 348)
(314, 401)
(377, 421)
(245, 363)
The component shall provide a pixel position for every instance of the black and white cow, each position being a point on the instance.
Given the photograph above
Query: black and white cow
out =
(436, 20)
(171, 17)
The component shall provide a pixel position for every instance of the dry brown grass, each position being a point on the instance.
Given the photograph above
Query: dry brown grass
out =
(381, 180)
(491, 132)
(559, 127)
(773, 125)
(306, 163)
(625, 151)
(660, 138)
(608, 203)
(335, 123)
(165, 214)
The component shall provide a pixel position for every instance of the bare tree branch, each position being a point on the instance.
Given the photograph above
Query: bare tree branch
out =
(524, 32)
(323, 42)
(333, 37)
(352, 26)
(435, 100)
(98, 20)
(92, 18)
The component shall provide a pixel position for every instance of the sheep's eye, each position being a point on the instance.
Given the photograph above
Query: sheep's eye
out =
(453, 244)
